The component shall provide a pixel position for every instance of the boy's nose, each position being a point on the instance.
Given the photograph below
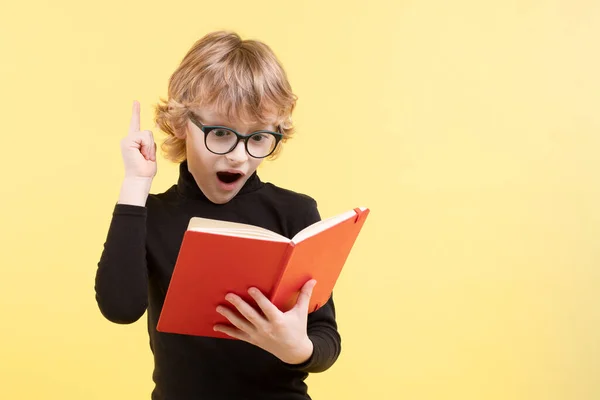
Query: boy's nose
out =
(238, 154)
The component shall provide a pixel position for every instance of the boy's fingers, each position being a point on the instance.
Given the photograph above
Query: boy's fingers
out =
(268, 308)
(305, 295)
(134, 124)
(146, 143)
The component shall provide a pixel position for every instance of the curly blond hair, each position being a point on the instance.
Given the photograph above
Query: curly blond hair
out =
(243, 79)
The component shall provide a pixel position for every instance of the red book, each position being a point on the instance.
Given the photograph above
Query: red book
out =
(220, 257)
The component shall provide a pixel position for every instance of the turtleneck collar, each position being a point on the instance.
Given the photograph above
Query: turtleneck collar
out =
(187, 186)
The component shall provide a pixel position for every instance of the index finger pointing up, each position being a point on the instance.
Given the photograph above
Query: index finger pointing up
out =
(134, 125)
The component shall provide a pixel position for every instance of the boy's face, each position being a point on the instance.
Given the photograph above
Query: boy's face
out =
(220, 177)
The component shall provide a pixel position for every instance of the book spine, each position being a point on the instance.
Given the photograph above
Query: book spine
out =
(284, 263)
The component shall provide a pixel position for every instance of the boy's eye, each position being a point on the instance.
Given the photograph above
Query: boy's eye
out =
(258, 137)
(221, 132)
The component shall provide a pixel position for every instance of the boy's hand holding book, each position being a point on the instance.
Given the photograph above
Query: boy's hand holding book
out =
(283, 334)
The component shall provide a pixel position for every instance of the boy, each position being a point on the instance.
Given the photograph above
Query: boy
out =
(229, 108)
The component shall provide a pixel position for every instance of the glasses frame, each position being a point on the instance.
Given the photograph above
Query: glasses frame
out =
(208, 128)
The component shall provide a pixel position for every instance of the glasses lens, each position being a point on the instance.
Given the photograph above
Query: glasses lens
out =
(261, 144)
(220, 140)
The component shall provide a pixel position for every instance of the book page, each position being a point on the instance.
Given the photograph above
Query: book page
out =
(235, 229)
(324, 225)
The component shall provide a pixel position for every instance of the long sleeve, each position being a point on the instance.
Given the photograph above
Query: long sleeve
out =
(327, 343)
(121, 283)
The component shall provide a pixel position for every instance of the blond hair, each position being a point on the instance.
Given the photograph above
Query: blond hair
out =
(242, 79)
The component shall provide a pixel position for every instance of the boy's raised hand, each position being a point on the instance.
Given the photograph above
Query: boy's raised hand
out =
(138, 149)
(282, 334)
(139, 157)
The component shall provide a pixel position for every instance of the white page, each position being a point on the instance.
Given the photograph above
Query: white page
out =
(324, 225)
(233, 229)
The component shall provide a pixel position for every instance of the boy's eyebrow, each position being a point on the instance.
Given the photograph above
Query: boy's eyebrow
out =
(214, 122)
(219, 122)
(200, 118)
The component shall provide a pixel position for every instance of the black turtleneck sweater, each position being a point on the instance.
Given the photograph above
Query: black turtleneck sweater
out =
(135, 269)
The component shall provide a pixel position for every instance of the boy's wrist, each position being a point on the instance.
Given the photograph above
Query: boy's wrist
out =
(303, 352)
(134, 191)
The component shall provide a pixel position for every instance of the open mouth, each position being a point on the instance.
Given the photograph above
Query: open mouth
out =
(228, 177)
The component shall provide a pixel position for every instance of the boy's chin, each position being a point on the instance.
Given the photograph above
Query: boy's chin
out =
(223, 193)
(217, 197)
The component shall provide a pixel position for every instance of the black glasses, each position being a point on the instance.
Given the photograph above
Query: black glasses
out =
(222, 140)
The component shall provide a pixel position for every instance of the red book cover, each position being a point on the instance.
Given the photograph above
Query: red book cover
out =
(218, 257)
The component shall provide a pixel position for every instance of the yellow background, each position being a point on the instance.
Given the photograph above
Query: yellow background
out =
(471, 128)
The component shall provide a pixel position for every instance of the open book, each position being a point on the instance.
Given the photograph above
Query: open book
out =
(219, 257)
